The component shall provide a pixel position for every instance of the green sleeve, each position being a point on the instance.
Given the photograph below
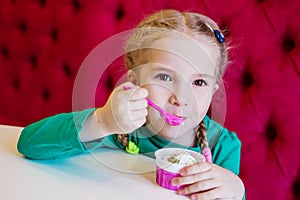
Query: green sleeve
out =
(227, 151)
(54, 137)
(225, 145)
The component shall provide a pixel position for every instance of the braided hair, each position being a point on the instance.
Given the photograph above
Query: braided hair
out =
(201, 138)
(123, 139)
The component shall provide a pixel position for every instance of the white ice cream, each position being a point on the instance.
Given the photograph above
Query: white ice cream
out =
(181, 158)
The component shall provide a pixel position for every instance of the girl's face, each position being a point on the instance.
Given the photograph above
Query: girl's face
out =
(180, 77)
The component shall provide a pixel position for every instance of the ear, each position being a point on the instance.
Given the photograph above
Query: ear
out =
(132, 76)
(216, 88)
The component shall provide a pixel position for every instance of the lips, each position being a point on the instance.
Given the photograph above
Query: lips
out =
(177, 115)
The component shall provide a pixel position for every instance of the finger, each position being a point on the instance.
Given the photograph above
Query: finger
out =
(126, 86)
(138, 115)
(198, 167)
(210, 194)
(198, 187)
(139, 123)
(185, 180)
(137, 105)
(139, 93)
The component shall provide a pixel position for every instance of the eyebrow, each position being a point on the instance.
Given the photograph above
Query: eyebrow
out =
(206, 75)
(158, 66)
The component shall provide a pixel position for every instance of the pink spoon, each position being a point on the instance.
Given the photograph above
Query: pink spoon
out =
(168, 117)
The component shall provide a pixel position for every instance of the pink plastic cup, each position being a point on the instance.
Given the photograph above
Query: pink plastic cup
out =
(166, 171)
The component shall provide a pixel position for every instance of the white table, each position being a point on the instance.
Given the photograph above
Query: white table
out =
(105, 174)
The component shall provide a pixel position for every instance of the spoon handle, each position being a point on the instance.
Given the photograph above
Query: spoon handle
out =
(150, 103)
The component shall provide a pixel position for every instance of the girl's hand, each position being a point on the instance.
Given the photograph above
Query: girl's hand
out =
(204, 180)
(124, 111)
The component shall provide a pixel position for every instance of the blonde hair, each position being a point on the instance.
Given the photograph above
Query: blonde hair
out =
(188, 23)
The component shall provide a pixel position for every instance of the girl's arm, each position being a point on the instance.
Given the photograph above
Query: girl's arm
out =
(54, 137)
(64, 135)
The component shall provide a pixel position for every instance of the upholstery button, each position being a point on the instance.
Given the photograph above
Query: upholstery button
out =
(110, 83)
(22, 27)
(296, 189)
(16, 84)
(67, 70)
(46, 94)
(247, 79)
(120, 13)
(76, 6)
(5, 52)
(271, 132)
(42, 3)
(288, 44)
(33, 61)
(54, 35)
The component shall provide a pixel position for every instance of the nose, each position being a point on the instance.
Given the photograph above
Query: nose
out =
(180, 93)
(177, 101)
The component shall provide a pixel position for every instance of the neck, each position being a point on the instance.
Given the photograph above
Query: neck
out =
(187, 140)
(185, 137)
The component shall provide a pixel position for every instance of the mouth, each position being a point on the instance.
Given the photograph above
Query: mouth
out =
(171, 119)
(177, 115)
(172, 114)
(181, 118)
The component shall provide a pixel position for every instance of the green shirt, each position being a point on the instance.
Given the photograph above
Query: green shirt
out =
(57, 137)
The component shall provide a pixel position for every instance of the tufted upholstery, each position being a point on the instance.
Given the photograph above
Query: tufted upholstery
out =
(43, 43)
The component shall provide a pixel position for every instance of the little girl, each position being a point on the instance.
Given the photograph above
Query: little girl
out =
(176, 60)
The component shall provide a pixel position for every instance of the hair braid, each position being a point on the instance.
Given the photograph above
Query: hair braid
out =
(201, 135)
(203, 142)
(123, 139)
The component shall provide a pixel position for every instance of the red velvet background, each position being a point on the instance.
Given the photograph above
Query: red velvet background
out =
(43, 43)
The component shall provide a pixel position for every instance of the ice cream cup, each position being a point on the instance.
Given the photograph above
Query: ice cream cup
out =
(166, 171)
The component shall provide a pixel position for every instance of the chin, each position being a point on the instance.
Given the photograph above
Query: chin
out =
(171, 132)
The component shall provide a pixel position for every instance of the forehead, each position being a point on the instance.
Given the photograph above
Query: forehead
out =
(185, 54)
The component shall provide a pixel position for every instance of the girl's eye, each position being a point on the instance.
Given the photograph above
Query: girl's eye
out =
(199, 82)
(164, 77)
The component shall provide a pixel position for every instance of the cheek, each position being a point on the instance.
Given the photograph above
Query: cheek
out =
(202, 103)
(157, 93)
